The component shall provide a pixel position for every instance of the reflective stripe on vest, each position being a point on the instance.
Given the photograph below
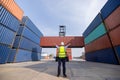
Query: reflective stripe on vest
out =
(62, 51)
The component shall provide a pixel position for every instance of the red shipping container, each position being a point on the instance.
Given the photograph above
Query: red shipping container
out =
(53, 41)
(100, 43)
(113, 20)
(115, 36)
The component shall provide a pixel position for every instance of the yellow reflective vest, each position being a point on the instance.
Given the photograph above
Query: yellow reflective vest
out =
(62, 52)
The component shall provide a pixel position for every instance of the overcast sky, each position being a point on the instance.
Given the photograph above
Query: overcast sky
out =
(47, 15)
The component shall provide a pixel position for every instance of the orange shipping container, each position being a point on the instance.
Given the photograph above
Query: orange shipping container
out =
(13, 8)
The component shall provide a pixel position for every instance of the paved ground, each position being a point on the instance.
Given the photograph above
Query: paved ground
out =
(47, 70)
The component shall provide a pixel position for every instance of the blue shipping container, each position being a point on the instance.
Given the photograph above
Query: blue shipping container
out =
(27, 33)
(109, 7)
(30, 35)
(6, 36)
(103, 56)
(97, 21)
(24, 55)
(4, 53)
(29, 45)
(28, 23)
(8, 20)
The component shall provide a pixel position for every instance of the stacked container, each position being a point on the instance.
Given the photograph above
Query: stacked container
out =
(27, 41)
(9, 24)
(111, 16)
(101, 36)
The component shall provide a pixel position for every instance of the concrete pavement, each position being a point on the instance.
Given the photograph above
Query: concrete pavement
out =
(47, 70)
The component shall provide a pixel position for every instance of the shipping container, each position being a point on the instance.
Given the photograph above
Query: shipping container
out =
(30, 35)
(28, 23)
(22, 55)
(103, 56)
(99, 44)
(76, 41)
(96, 33)
(24, 43)
(25, 55)
(115, 37)
(6, 36)
(97, 21)
(4, 53)
(13, 8)
(8, 20)
(109, 7)
(113, 20)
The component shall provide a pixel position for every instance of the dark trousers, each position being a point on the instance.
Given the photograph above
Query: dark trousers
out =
(63, 61)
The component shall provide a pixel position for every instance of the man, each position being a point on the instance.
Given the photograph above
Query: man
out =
(62, 58)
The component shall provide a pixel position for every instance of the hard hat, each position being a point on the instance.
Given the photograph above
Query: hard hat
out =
(62, 43)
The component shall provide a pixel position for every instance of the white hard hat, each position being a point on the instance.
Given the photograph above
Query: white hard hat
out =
(62, 43)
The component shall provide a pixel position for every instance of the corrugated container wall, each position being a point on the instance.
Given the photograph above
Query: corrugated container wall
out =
(104, 56)
(13, 8)
(19, 37)
(29, 24)
(113, 20)
(102, 41)
(4, 53)
(109, 7)
(27, 42)
(9, 25)
(96, 33)
(8, 20)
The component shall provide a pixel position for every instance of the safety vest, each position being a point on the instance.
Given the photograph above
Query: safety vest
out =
(62, 52)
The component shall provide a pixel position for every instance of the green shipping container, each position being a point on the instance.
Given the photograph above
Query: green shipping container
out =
(96, 33)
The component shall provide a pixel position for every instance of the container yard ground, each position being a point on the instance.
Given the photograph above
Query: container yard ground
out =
(46, 70)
